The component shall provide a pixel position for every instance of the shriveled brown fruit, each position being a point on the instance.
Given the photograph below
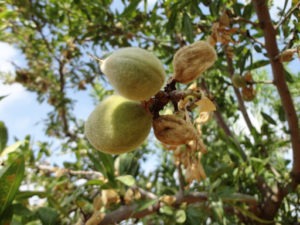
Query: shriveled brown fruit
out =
(191, 61)
(248, 77)
(248, 93)
(173, 130)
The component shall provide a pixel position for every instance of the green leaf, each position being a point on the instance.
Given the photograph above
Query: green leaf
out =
(126, 179)
(108, 164)
(7, 215)
(194, 215)
(128, 163)
(248, 11)
(258, 64)
(21, 195)
(95, 182)
(172, 21)
(3, 136)
(2, 97)
(257, 48)
(10, 180)
(289, 77)
(268, 118)
(130, 8)
(187, 28)
(144, 204)
(180, 216)
(48, 216)
(252, 216)
(103, 163)
(166, 210)
(22, 210)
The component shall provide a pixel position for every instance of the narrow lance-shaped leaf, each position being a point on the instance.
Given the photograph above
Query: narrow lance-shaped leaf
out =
(188, 28)
(268, 118)
(258, 64)
(3, 136)
(2, 97)
(131, 8)
(48, 216)
(10, 180)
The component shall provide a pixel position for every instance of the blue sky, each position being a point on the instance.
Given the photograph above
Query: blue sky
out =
(21, 112)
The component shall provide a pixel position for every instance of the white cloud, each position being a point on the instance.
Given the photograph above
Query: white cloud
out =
(7, 54)
(14, 92)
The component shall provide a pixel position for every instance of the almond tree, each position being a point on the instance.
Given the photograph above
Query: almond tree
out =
(244, 110)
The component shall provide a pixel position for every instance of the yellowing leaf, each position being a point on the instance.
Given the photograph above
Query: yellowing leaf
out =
(126, 179)
(11, 148)
(205, 105)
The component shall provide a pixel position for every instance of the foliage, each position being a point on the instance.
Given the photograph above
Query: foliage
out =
(245, 165)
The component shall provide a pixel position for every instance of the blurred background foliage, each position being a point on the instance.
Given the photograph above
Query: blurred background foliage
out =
(245, 163)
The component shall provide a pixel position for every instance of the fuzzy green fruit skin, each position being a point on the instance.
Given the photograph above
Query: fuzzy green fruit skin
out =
(134, 72)
(118, 125)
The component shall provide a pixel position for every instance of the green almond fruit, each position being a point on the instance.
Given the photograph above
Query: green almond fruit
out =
(118, 125)
(134, 73)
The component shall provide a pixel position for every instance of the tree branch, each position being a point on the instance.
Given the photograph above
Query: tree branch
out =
(264, 18)
(238, 95)
(62, 171)
(130, 211)
(239, 19)
(273, 202)
(180, 179)
(287, 15)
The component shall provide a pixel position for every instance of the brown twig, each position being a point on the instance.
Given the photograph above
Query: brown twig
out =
(63, 171)
(238, 95)
(263, 82)
(62, 107)
(239, 19)
(287, 15)
(181, 181)
(131, 211)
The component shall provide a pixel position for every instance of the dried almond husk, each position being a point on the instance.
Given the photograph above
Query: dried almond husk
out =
(287, 55)
(191, 61)
(248, 93)
(168, 199)
(173, 130)
(109, 196)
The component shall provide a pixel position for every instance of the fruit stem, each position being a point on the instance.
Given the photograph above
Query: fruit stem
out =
(95, 58)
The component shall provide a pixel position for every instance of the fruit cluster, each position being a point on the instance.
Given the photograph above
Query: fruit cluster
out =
(123, 121)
